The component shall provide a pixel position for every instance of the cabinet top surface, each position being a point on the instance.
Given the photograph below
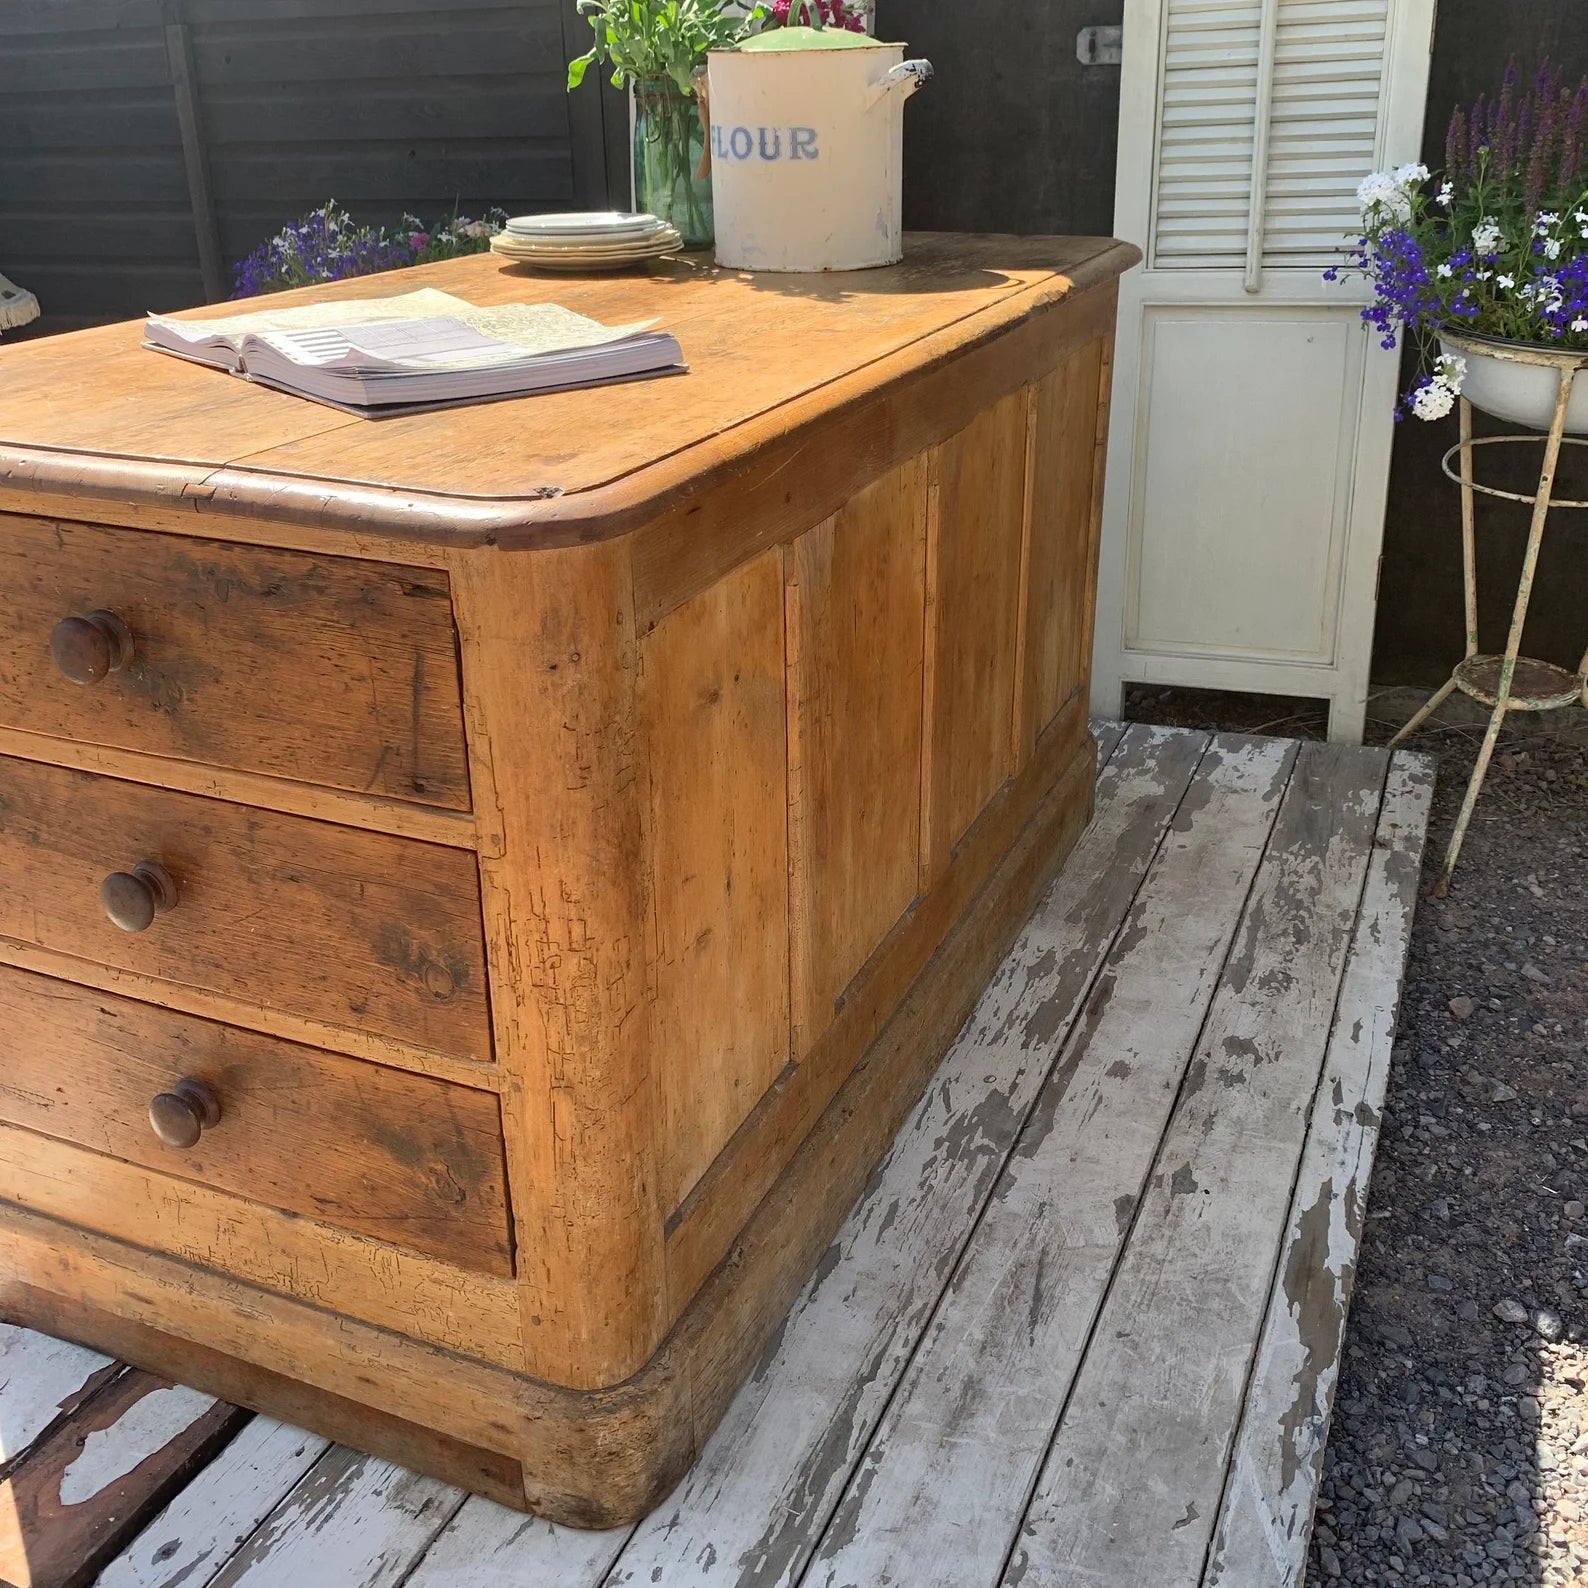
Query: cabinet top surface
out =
(94, 412)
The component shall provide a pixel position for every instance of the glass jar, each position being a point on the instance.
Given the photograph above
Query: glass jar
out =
(669, 146)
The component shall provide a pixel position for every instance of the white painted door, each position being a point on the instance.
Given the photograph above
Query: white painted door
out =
(1252, 411)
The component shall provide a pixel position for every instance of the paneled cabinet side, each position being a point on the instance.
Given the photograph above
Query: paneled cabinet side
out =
(550, 670)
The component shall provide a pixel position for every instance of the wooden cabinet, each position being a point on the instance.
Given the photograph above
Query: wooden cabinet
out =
(478, 891)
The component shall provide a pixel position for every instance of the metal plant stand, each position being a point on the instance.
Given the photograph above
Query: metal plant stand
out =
(1509, 682)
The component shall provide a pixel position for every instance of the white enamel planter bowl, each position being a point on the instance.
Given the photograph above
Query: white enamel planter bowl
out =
(1519, 383)
(807, 150)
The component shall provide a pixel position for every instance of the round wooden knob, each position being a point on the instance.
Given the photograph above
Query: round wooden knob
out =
(133, 898)
(85, 649)
(183, 1114)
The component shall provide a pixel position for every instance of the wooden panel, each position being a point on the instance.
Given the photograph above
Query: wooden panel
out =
(1265, 1520)
(1060, 774)
(856, 613)
(350, 928)
(1131, 1485)
(973, 582)
(1060, 553)
(88, 1489)
(319, 669)
(714, 705)
(390, 1285)
(398, 1157)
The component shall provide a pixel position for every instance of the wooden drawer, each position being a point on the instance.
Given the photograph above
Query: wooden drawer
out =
(353, 930)
(322, 669)
(402, 1158)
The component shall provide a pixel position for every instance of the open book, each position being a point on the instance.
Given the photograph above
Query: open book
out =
(419, 350)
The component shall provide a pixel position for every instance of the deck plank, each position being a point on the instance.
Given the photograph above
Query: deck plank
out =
(352, 1521)
(1131, 1486)
(84, 1490)
(752, 1508)
(487, 1546)
(1266, 1517)
(41, 1381)
(975, 1414)
(189, 1542)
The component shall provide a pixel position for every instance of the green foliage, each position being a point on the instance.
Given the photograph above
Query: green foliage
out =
(659, 38)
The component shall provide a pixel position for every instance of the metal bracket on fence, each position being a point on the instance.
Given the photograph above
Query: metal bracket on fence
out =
(1102, 46)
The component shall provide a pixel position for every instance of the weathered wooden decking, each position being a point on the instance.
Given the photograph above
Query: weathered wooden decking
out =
(1082, 1328)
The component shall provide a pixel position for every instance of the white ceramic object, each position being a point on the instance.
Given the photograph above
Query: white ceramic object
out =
(1522, 390)
(583, 223)
(807, 155)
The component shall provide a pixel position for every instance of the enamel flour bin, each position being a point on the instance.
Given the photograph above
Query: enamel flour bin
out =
(807, 147)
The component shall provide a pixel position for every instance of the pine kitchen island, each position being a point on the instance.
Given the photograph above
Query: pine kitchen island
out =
(478, 891)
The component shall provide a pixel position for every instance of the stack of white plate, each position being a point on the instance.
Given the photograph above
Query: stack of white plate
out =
(591, 240)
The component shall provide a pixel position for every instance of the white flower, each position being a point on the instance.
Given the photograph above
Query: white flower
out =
(1552, 247)
(1446, 191)
(1451, 368)
(1383, 197)
(1408, 176)
(1580, 324)
(1434, 400)
(1487, 238)
(1543, 222)
(1505, 281)
(1483, 275)
(1444, 271)
(1580, 216)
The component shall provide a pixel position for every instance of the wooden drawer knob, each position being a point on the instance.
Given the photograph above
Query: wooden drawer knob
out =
(183, 1114)
(133, 898)
(85, 649)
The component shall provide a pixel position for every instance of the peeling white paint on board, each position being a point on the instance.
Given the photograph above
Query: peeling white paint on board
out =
(149, 1425)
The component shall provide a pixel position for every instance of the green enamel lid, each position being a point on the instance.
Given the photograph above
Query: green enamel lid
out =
(806, 38)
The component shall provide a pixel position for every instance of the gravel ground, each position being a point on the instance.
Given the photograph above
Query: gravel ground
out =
(1459, 1448)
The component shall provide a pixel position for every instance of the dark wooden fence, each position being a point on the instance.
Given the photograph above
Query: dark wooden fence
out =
(146, 145)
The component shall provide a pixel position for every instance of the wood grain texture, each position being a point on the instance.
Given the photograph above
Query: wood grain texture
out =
(1265, 1518)
(403, 820)
(856, 624)
(766, 356)
(973, 584)
(384, 1283)
(975, 1411)
(352, 929)
(84, 1492)
(1131, 1485)
(712, 699)
(557, 757)
(705, 1229)
(41, 1381)
(1056, 651)
(400, 1158)
(318, 669)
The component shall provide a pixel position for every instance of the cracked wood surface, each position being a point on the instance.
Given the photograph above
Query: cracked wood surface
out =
(1083, 1326)
(1266, 1516)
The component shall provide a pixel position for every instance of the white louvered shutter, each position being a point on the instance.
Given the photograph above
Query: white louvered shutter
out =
(1268, 120)
(1249, 443)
